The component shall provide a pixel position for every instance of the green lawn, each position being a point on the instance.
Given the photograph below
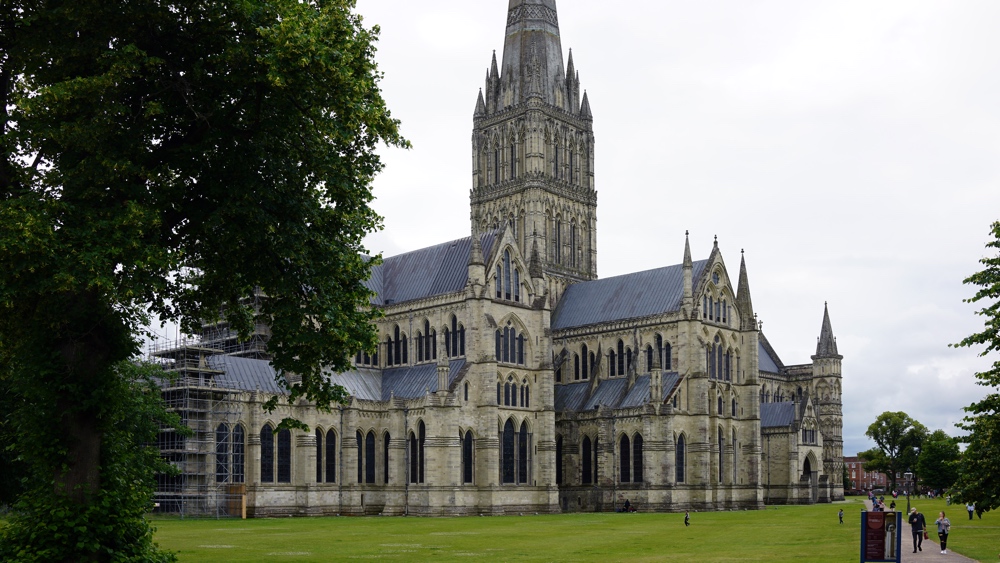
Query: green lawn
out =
(784, 533)
(799, 533)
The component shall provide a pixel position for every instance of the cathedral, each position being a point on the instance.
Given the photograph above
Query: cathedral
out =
(509, 378)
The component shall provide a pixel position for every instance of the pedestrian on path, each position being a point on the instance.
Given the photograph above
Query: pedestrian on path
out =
(970, 507)
(687, 518)
(944, 527)
(841, 515)
(917, 526)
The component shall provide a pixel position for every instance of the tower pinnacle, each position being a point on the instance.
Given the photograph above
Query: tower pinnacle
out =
(826, 347)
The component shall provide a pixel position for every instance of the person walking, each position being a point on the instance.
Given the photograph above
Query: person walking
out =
(970, 507)
(687, 518)
(841, 515)
(917, 526)
(944, 527)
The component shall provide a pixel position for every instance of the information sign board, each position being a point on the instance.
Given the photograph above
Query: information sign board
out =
(881, 537)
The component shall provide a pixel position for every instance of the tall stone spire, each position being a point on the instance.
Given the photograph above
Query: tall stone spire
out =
(826, 347)
(532, 51)
(533, 146)
(744, 305)
(688, 297)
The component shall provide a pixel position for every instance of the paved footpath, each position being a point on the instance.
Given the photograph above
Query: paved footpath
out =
(931, 547)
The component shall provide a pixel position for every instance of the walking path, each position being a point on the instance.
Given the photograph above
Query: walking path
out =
(931, 547)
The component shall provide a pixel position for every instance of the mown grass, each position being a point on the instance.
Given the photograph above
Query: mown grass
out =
(778, 534)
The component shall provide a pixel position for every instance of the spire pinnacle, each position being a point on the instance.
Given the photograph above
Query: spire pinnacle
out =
(585, 107)
(480, 105)
(688, 263)
(827, 345)
(744, 305)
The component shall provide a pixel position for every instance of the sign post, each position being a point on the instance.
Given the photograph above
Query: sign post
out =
(881, 537)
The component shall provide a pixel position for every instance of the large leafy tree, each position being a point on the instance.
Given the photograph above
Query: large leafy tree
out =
(898, 439)
(939, 460)
(979, 478)
(168, 158)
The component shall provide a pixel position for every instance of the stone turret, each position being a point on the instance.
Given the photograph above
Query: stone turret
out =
(827, 382)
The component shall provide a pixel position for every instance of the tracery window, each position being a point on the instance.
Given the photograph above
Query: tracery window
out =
(515, 452)
(509, 346)
(238, 442)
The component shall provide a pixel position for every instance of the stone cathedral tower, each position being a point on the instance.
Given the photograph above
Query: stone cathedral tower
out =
(533, 150)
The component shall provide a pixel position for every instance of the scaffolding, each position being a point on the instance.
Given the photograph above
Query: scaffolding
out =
(209, 462)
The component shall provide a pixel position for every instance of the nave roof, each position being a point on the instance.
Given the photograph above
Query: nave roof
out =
(613, 393)
(435, 270)
(630, 296)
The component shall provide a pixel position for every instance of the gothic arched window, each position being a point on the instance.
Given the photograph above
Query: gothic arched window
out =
(239, 454)
(267, 454)
(625, 460)
(637, 459)
(679, 459)
(585, 367)
(586, 458)
(559, 459)
(319, 455)
(507, 453)
(721, 454)
(331, 456)
(468, 449)
(385, 458)
(222, 454)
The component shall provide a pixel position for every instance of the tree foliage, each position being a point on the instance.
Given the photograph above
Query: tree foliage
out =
(979, 478)
(170, 157)
(111, 527)
(898, 439)
(939, 461)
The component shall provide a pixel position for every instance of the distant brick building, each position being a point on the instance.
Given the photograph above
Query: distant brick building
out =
(860, 480)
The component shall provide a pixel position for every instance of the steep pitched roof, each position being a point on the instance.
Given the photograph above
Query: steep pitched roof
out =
(768, 359)
(777, 415)
(631, 296)
(407, 382)
(435, 270)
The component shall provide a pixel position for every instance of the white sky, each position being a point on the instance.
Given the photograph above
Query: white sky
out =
(851, 147)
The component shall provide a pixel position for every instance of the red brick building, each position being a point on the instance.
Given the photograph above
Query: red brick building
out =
(859, 480)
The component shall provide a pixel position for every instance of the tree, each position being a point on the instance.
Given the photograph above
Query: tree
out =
(938, 462)
(898, 439)
(170, 157)
(979, 477)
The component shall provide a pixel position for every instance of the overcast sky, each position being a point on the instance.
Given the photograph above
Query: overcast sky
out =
(850, 147)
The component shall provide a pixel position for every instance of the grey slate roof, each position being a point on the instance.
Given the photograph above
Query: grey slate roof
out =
(631, 296)
(366, 384)
(765, 361)
(572, 396)
(407, 382)
(244, 374)
(427, 272)
(611, 393)
(777, 415)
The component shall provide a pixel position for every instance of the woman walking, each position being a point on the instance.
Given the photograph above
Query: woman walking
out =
(944, 526)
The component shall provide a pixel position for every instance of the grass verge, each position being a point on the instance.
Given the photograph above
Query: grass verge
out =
(778, 534)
